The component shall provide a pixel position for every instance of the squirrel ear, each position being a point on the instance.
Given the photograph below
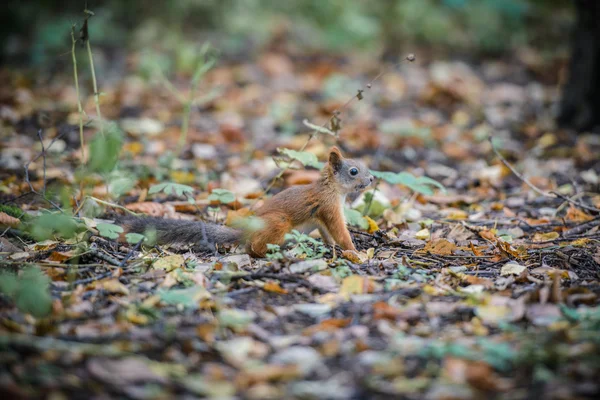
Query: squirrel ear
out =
(335, 159)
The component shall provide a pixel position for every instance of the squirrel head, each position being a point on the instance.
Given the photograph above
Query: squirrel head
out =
(348, 175)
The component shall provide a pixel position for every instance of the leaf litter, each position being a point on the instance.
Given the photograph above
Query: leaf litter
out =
(484, 288)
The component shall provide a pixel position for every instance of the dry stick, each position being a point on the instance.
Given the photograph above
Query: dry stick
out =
(332, 119)
(86, 38)
(551, 195)
(42, 154)
(39, 133)
(79, 107)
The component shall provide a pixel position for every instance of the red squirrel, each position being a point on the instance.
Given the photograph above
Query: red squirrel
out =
(317, 205)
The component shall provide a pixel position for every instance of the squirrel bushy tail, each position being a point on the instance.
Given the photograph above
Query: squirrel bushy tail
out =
(202, 234)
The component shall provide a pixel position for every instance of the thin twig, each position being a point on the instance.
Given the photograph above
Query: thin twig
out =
(552, 195)
(41, 154)
(514, 171)
(39, 133)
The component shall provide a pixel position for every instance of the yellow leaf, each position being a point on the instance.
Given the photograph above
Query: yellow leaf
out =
(183, 177)
(373, 227)
(423, 234)
(458, 214)
(113, 286)
(136, 318)
(581, 242)
(169, 263)
(544, 237)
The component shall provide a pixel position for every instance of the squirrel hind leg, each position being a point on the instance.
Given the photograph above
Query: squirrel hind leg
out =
(273, 233)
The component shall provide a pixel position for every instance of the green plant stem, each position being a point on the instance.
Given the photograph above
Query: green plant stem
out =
(96, 93)
(79, 107)
(202, 68)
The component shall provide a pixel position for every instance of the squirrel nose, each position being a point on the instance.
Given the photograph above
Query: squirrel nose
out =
(371, 178)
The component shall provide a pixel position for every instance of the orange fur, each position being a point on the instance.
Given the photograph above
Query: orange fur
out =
(320, 203)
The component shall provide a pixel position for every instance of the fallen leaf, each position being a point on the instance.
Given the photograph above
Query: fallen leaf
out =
(169, 263)
(440, 247)
(274, 287)
(512, 268)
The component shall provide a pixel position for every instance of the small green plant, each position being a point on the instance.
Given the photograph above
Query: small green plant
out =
(53, 225)
(223, 196)
(110, 231)
(355, 218)
(305, 245)
(274, 252)
(171, 188)
(29, 290)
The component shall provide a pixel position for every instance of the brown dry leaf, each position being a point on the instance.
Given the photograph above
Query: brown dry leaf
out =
(328, 325)
(7, 220)
(150, 208)
(440, 247)
(267, 373)
(274, 287)
(206, 332)
(476, 280)
(577, 215)
(60, 256)
(488, 234)
(481, 376)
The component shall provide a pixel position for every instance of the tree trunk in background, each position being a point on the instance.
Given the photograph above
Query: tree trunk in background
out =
(580, 104)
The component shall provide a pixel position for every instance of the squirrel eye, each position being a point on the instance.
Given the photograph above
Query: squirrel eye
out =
(353, 171)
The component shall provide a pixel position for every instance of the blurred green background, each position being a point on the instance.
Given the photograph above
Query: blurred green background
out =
(37, 32)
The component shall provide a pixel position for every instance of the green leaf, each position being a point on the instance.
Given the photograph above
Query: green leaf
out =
(235, 318)
(30, 291)
(134, 238)
(188, 297)
(318, 128)
(110, 231)
(51, 225)
(223, 196)
(171, 188)
(355, 218)
(307, 159)
(421, 184)
(104, 149)
(120, 185)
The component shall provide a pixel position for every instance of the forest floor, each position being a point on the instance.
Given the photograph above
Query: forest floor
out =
(487, 289)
